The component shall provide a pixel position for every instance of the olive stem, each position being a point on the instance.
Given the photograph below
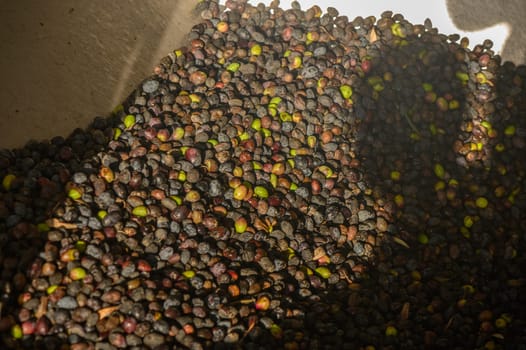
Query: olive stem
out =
(410, 122)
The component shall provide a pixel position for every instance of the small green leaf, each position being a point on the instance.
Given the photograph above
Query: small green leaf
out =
(401, 242)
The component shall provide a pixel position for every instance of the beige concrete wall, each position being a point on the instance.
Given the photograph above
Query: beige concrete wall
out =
(64, 62)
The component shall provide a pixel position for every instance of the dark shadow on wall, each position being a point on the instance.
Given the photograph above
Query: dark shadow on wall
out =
(472, 16)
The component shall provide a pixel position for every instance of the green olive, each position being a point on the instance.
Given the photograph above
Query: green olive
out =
(140, 211)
